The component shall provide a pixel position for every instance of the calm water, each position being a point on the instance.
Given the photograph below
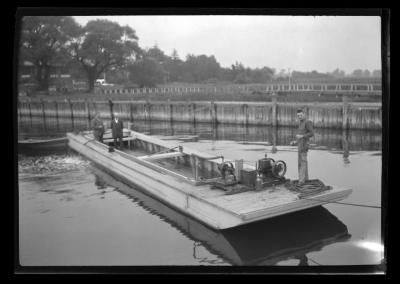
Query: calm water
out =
(73, 213)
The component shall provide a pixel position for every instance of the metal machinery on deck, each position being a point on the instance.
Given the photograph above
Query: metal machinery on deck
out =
(268, 173)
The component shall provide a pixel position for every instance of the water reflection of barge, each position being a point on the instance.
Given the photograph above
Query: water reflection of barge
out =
(266, 242)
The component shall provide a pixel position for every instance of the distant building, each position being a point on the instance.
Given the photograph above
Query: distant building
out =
(59, 79)
(27, 71)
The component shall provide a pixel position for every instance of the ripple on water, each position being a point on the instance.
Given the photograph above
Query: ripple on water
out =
(49, 165)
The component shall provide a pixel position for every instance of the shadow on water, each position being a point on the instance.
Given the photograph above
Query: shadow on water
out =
(266, 242)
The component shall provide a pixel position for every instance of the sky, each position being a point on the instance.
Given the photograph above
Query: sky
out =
(302, 43)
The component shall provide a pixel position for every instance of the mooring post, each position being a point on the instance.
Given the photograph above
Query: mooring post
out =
(111, 105)
(246, 114)
(171, 118)
(345, 112)
(274, 99)
(193, 110)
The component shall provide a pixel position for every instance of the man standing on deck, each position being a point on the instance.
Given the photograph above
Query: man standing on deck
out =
(305, 131)
(98, 127)
(117, 130)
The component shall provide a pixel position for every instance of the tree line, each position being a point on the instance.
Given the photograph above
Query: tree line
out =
(105, 47)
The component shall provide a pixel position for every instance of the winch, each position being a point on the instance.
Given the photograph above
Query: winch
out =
(228, 178)
(267, 173)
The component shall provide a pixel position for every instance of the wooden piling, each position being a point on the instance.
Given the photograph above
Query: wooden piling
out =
(345, 123)
(111, 105)
(274, 98)
(171, 112)
(193, 112)
(246, 114)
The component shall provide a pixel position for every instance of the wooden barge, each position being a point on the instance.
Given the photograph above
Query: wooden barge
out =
(181, 177)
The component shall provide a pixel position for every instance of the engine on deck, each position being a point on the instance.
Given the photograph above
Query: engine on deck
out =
(268, 173)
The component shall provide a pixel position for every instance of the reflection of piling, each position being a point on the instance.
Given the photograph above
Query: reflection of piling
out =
(214, 131)
(30, 112)
(274, 135)
(43, 111)
(345, 145)
(131, 112)
(72, 112)
(213, 112)
(87, 111)
(147, 108)
(56, 108)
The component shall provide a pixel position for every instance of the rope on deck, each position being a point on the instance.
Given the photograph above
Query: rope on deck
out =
(312, 187)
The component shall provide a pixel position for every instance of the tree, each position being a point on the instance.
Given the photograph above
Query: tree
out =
(174, 66)
(357, 73)
(337, 73)
(102, 45)
(43, 42)
(146, 72)
(377, 74)
(263, 75)
(201, 67)
(174, 55)
(157, 54)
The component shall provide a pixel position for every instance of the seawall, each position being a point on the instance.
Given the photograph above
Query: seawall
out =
(344, 115)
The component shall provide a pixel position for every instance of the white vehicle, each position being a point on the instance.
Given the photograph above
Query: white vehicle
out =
(102, 82)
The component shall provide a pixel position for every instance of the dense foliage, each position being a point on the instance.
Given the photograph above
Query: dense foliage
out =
(103, 48)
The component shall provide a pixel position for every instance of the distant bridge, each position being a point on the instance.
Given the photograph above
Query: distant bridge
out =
(361, 89)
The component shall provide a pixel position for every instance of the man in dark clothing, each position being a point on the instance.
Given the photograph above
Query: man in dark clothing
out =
(117, 130)
(305, 131)
(98, 128)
